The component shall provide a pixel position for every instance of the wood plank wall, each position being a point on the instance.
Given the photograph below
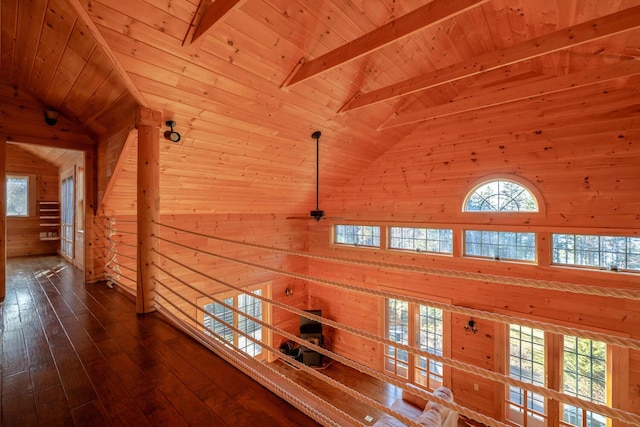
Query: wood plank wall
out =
(587, 173)
(23, 234)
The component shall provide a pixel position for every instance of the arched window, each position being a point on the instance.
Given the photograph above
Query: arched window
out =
(500, 195)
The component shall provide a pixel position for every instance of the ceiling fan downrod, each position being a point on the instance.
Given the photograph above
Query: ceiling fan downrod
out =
(317, 214)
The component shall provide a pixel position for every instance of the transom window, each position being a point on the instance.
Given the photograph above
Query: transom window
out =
(17, 188)
(612, 252)
(405, 320)
(358, 235)
(501, 196)
(421, 239)
(500, 245)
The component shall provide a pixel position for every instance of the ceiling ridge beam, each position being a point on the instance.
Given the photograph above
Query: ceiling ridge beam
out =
(430, 14)
(529, 90)
(84, 16)
(606, 26)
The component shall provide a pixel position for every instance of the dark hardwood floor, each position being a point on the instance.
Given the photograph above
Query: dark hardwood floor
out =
(75, 354)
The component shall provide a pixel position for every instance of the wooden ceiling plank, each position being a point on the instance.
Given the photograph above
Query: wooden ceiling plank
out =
(616, 23)
(520, 91)
(214, 14)
(30, 22)
(8, 24)
(93, 29)
(57, 30)
(430, 14)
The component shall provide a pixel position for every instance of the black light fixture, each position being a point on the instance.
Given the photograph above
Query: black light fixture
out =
(471, 326)
(171, 135)
(50, 117)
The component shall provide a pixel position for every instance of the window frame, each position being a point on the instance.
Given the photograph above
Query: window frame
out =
(532, 189)
(599, 251)
(31, 194)
(426, 240)
(356, 244)
(413, 330)
(266, 334)
(617, 359)
(465, 243)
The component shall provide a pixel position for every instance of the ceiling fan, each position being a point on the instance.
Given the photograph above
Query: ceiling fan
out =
(317, 214)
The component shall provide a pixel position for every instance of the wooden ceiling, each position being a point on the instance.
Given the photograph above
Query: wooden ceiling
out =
(248, 81)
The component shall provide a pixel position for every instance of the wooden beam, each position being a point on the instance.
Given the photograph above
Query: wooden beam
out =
(3, 221)
(430, 14)
(589, 31)
(214, 14)
(102, 43)
(521, 90)
(148, 207)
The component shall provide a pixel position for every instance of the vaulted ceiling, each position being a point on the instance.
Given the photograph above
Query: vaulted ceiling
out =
(248, 81)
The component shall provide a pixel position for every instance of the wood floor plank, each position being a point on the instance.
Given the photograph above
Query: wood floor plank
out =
(77, 355)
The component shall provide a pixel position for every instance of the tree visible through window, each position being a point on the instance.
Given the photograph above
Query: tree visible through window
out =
(501, 196)
(17, 188)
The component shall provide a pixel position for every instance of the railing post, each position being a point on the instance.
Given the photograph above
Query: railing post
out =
(3, 221)
(148, 123)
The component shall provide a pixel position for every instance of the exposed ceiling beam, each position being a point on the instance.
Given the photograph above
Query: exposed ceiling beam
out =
(214, 14)
(566, 38)
(519, 91)
(428, 15)
(102, 43)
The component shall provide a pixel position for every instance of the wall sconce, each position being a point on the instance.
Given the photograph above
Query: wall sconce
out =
(171, 135)
(50, 117)
(471, 325)
(288, 292)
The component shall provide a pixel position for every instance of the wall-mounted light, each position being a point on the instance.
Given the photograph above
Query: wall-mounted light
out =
(50, 117)
(288, 292)
(171, 135)
(471, 325)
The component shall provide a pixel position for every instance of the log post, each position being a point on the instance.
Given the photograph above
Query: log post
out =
(3, 221)
(148, 204)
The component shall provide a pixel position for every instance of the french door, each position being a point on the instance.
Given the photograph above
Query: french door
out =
(67, 215)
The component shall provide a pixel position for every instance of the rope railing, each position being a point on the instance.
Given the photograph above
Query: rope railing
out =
(465, 367)
(238, 350)
(472, 369)
(502, 318)
(334, 356)
(113, 266)
(336, 384)
(482, 277)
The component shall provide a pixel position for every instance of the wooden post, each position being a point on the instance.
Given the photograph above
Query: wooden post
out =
(3, 221)
(148, 207)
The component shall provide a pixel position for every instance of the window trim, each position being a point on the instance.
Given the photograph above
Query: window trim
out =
(31, 196)
(617, 360)
(504, 177)
(267, 333)
(413, 313)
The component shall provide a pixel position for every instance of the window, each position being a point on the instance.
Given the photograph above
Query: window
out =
(406, 320)
(421, 239)
(358, 235)
(584, 376)
(614, 252)
(527, 364)
(217, 317)
(500, 245)
(500, 196)
(581, 371)
(17, 188)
